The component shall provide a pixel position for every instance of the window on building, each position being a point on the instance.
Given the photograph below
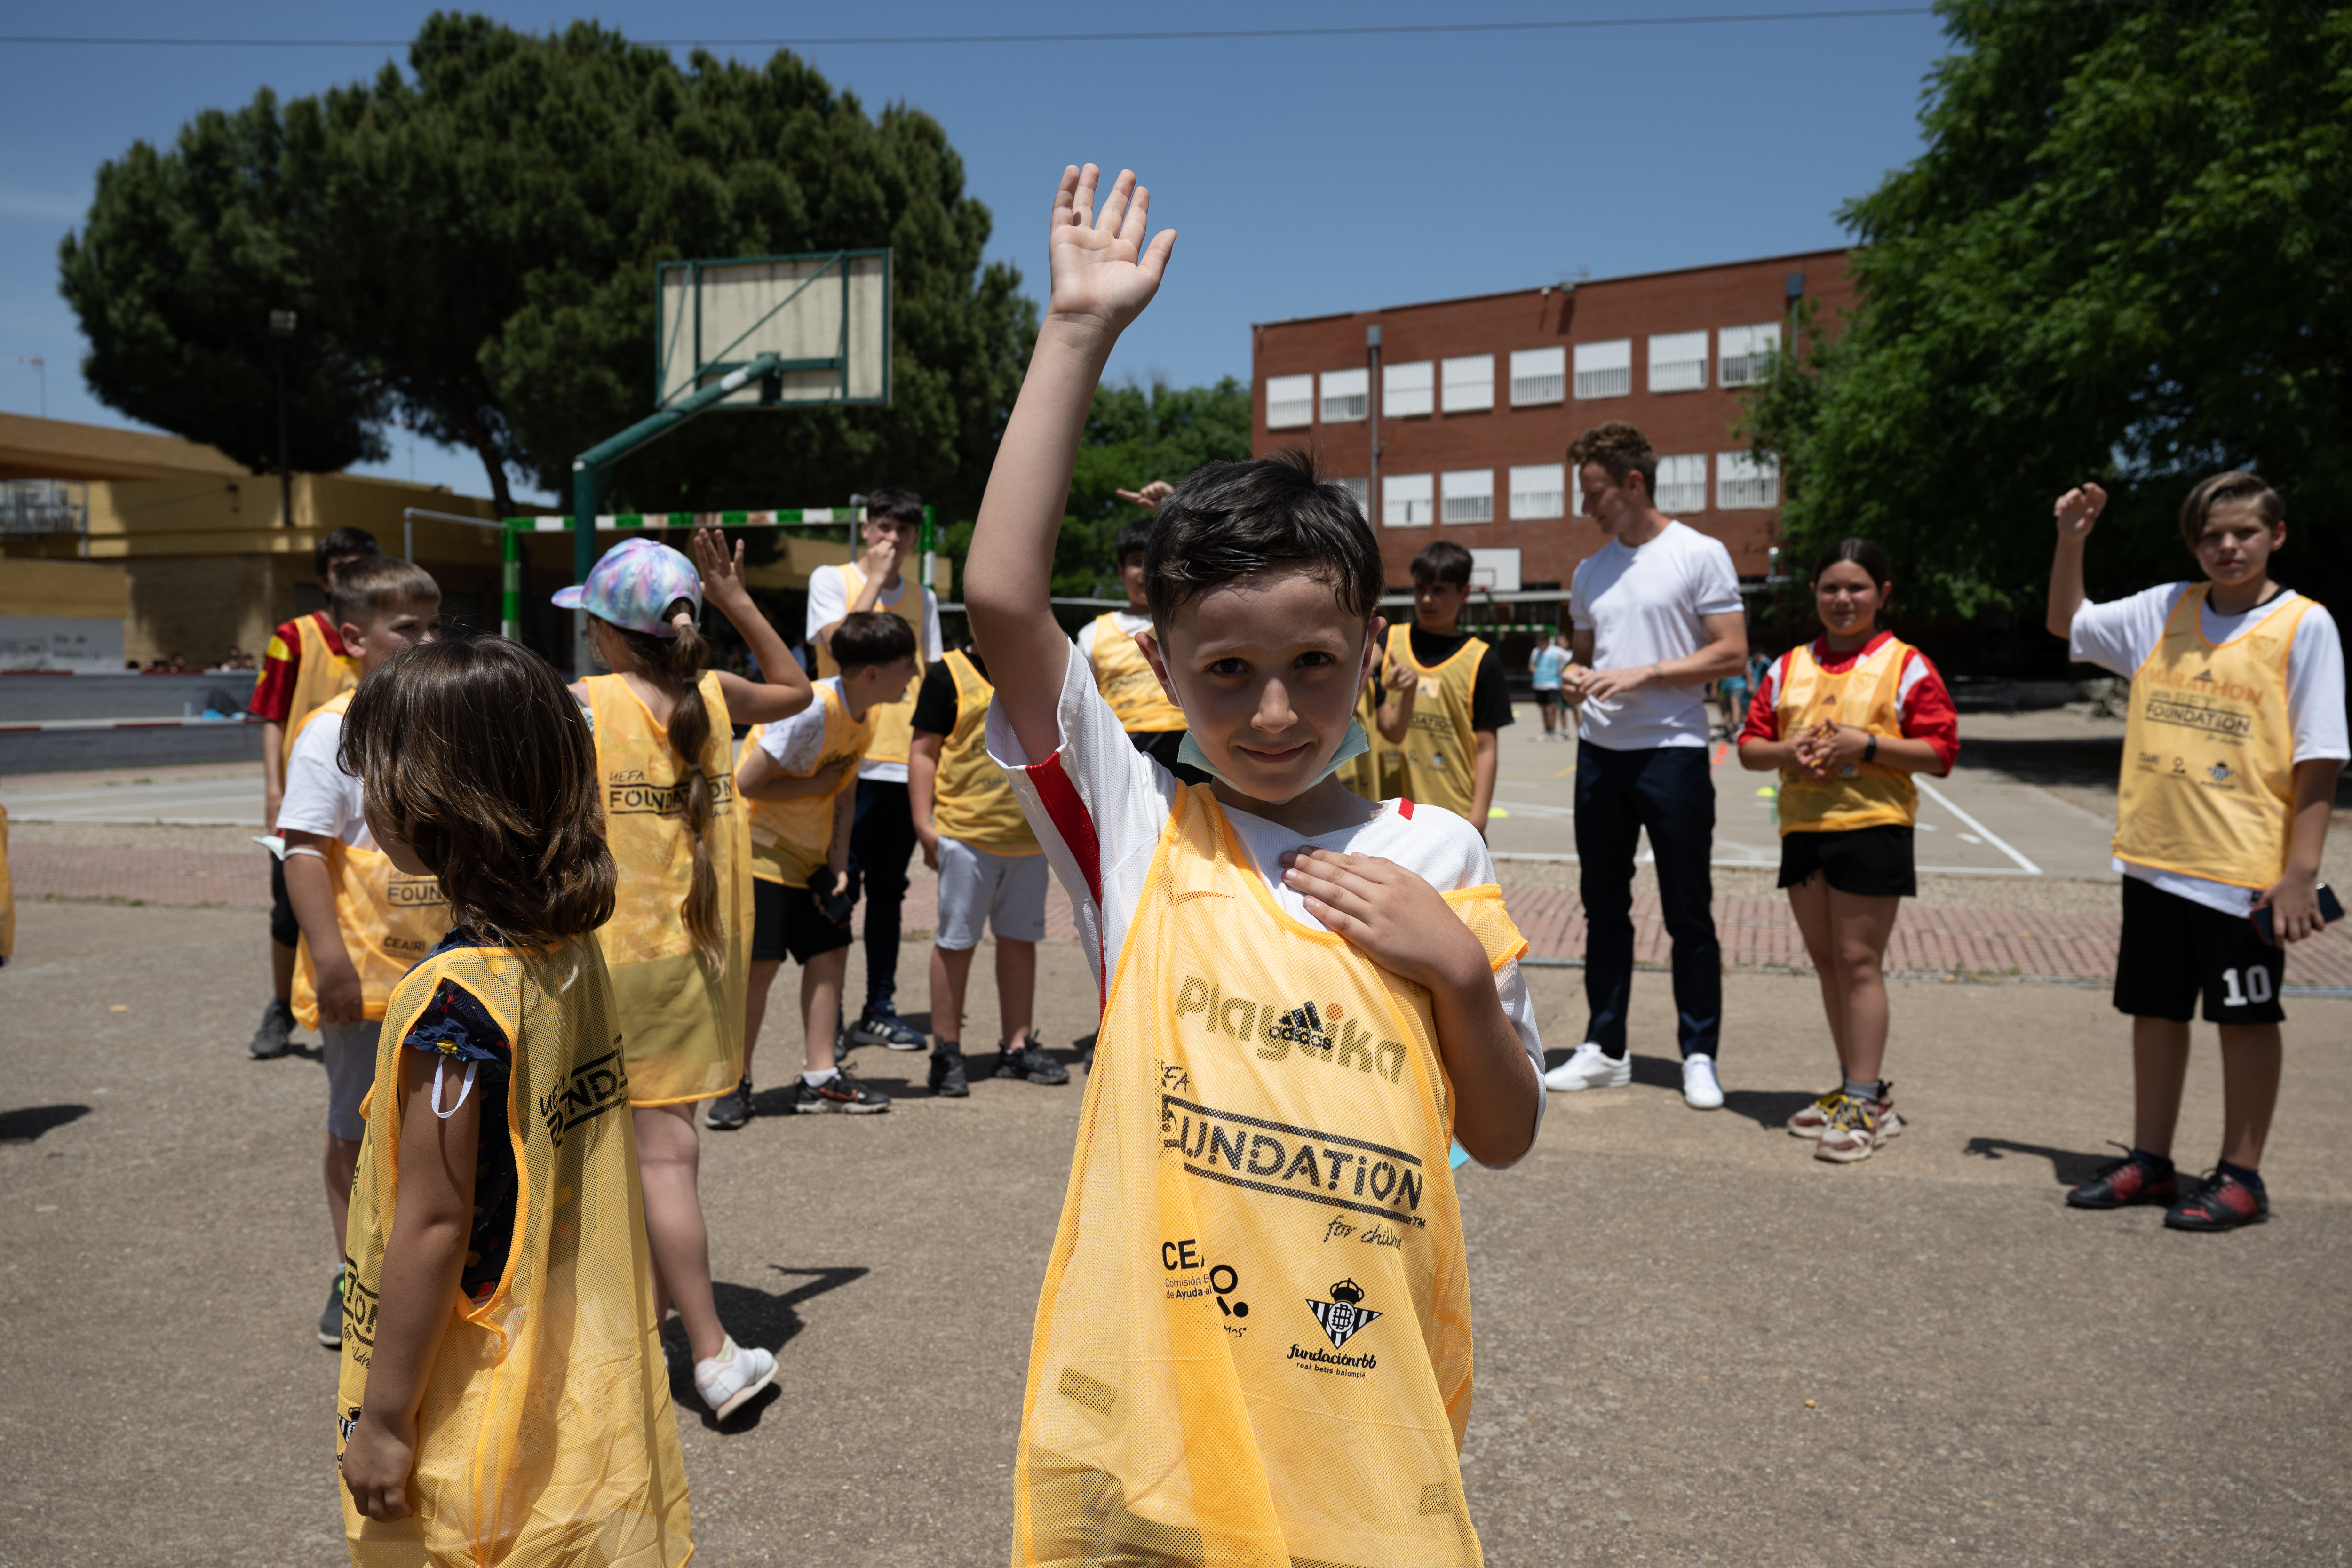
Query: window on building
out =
(1605, 370)
(1408, 389)
(1469, 383)
(1746, 352)
(1677, 362)
(1408, 500)
(1469, 495)
(1347, 395)
(1538, 489)
(1538, 376)
(1743, 480)
(1576, 492)
(1682, 484)
(1289, 402)
(1361, 488)
(1495, 571)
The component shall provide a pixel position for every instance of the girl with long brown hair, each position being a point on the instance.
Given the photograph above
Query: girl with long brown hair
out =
(678, 940)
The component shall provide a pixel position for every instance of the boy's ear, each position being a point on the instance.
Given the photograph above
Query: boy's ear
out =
(354, 638)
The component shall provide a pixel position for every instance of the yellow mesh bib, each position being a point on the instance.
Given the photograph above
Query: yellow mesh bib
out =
(2209, 750)
(789, 838)
(972, 803)
(546, 1436)
(1441, 749)
(388, 919)
(320, 677)
(1867, 695)
(1252, 1346)
(681, 1013)
(1126, 680)
(893, 721)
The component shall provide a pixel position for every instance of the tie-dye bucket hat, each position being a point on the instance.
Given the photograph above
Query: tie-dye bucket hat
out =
(635, 585)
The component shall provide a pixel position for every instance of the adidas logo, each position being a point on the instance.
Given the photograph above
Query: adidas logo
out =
(1302, 1026)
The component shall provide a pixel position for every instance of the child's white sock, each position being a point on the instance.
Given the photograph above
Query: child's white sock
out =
(815, 1079)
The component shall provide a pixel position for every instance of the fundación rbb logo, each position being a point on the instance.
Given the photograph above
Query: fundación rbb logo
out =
(1343, 1316)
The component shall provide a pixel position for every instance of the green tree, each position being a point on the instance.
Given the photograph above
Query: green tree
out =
(481, 231)
(2125, 254)
(1134, 435)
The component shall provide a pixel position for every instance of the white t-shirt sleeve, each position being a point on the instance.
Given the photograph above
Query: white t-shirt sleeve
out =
(2315, 688)
(796, 743)
(1713, 584)
(1580, 607)
(932, 639)
(321, 797)
(2119, 635)
(828, 599)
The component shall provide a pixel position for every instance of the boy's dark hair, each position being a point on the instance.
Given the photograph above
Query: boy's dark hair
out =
(375, 583)
(1443, 562)
(869, 637)
(1135, 538)
(897, 504)
(476, 752)
(1620, 449)
(2237, 488)
(342, 542)
(1235, 519)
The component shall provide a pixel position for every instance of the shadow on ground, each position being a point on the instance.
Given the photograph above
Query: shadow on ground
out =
(26, 1125)
(2068, 1167)
(753, 1317)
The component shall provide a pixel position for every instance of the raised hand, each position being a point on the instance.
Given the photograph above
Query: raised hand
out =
(1102, 273)
(722, 574)
(1150, 496)
(2078, 509)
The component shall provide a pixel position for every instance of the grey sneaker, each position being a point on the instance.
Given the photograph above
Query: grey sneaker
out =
(885, 1029)
(273, 1039)
(946, 1074)
(1029, 1059)
(730, 1110)
(330, 1321)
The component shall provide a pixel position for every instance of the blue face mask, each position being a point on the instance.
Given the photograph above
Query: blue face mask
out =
(1354, 744)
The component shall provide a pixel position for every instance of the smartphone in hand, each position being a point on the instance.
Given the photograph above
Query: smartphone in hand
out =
(2331, 909)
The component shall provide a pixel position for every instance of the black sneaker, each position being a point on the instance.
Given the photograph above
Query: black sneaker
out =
(330, 1321)
(273, 1039)
(885, 1029)
(946, 1074)
(839, 1092)
(1086, 1045)
(1030, 1060)
(730, 1110)
(2221, 1203)
(2121, 1183)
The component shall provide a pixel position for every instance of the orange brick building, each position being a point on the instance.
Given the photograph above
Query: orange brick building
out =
(1474, 402)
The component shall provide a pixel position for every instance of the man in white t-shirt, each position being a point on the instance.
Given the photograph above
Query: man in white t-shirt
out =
(2222, 812)
(1655, 616)
(882, 834)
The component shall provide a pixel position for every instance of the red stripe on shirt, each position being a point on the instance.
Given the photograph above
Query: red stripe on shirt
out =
(1076, 827)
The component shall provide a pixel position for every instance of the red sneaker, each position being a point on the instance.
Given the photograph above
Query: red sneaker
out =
(2221, 1202)
(2121, 1183)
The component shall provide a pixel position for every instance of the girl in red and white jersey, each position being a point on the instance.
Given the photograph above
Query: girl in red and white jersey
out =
(1847, 718)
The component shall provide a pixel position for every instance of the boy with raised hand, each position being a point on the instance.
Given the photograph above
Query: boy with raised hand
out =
(991, 872)
(2232, 749)
(800, 777)
(305, 664)
(363, 922)
(882, 831)
(1255, 1330)
(1442, 697)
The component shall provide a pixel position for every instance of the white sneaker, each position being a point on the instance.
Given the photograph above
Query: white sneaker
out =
(732, 1376)
(1700, 1089)
(1590, 1067)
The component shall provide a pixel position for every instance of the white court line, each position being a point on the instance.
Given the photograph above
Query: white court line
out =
(1770, 865)
(1991, 838)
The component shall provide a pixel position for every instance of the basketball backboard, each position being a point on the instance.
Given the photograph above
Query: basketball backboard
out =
(826, 315)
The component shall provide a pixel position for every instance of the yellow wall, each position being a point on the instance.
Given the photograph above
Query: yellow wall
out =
(86, 589)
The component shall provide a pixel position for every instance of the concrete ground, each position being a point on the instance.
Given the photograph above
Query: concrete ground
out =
(1694, 1343)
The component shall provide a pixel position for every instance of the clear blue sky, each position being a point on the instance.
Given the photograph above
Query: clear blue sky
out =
(1307, 176)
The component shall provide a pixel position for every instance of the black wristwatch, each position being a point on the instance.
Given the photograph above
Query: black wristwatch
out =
(1870, 749)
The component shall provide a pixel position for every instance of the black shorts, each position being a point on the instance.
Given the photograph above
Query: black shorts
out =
(1548, 696)
(1868, 862)
(284, 929)
(2174, 948)
(786, 921)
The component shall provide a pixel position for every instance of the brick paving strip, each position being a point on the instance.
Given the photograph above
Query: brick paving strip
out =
(1757, 934)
